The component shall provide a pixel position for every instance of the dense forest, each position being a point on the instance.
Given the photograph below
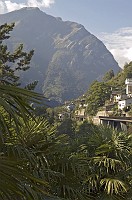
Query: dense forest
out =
(40, 159)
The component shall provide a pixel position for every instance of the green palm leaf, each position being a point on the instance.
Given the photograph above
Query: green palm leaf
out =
(114, 186)
(15, 103)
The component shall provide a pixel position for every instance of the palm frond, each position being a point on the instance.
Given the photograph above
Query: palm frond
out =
(114, 186)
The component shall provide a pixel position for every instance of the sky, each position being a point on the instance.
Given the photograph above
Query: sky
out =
(109, 20)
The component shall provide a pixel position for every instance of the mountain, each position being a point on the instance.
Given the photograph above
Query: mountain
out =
(67, 57)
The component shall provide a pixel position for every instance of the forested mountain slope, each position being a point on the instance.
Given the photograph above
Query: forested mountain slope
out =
(67, 57)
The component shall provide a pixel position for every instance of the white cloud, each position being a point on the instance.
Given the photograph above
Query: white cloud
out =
(2, 7)
(119, 44)
(9, 5)
(40, 3)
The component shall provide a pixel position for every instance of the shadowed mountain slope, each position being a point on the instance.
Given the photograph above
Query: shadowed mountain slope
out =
(67, 57)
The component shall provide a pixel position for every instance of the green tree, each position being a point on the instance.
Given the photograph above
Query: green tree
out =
(98, 93)
(67, 126)
(10, 63)
(106, 158)
(108, 76)
(16, 181)
(85, 128)
(118, 81)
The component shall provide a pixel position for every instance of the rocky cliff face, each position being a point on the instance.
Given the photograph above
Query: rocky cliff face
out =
(67, 57)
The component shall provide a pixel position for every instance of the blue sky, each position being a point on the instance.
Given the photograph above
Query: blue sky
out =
(109, 20)
(96, 15)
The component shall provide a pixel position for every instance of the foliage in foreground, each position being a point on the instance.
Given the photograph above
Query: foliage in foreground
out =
(37, 162)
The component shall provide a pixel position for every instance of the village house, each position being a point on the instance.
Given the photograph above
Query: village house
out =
(128, 83)
(121, 98)
(80, 114)
(116, 96)
(124, 103)
(127, 101)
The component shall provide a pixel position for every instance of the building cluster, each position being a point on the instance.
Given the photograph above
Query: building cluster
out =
(122, 99)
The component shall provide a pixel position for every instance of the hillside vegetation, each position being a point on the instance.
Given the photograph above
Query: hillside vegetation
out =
(99, 92)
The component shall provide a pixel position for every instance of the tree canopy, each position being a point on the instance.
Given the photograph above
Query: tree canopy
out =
(108, 76)
(11, 63)
(98, 93)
